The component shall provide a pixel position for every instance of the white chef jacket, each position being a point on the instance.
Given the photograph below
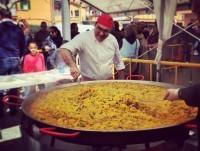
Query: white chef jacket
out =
(96, 58)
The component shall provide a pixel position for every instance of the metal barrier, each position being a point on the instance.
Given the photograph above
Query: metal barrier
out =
(176, 65)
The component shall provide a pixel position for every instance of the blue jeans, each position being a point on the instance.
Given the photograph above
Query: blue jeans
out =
(10, 65)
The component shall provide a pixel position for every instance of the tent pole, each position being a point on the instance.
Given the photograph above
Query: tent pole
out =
(66, 20)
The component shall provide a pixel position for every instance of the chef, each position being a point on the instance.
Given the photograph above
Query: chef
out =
(98, 50)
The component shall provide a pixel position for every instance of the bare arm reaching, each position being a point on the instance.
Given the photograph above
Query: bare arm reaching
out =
(68, 59)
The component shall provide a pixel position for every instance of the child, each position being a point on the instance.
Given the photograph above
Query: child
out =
(33, 62)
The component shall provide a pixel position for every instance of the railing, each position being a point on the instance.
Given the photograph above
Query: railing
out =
(176, 65)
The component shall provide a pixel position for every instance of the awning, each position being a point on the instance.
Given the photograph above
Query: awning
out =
(124, 6)
(119, 6)
(115, 7)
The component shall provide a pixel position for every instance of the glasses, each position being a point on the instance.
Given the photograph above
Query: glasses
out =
(105, 31)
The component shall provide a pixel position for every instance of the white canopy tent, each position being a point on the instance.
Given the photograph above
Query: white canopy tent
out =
(165, 11)
(116, 7)
(124, 6)
(119, 6)
(105, 6)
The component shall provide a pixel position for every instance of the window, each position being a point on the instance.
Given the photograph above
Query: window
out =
(76, 13)
(25, 5)
(57, 5)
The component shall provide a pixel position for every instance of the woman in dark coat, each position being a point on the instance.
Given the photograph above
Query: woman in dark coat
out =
(55, 36)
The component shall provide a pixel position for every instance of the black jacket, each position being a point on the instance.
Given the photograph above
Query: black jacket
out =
(12, 40)
(191, 95)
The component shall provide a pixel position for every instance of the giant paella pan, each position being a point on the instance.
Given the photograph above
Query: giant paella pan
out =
(109, 112)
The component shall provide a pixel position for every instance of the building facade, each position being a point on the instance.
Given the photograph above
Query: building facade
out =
(35, 11)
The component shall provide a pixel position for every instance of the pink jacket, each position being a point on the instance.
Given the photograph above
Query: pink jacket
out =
(34, 63)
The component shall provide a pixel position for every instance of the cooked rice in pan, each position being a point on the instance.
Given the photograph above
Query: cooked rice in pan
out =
(110, 106)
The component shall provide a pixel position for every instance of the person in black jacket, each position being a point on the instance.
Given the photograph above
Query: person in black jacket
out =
(42, 34)
(190, 94)
(12, 45)
(117, 33)
(74, 30)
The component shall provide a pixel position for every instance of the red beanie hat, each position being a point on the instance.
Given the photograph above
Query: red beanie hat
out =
(105, 20)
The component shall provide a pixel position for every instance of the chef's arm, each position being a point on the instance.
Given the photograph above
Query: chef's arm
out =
(70, 61)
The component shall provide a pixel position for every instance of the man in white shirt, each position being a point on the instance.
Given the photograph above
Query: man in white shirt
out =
(97, 50)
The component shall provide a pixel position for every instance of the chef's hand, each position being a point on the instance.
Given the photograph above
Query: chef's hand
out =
(172, 94)
(75, 72)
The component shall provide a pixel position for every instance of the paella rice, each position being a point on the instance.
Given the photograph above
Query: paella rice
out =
(110, 106)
